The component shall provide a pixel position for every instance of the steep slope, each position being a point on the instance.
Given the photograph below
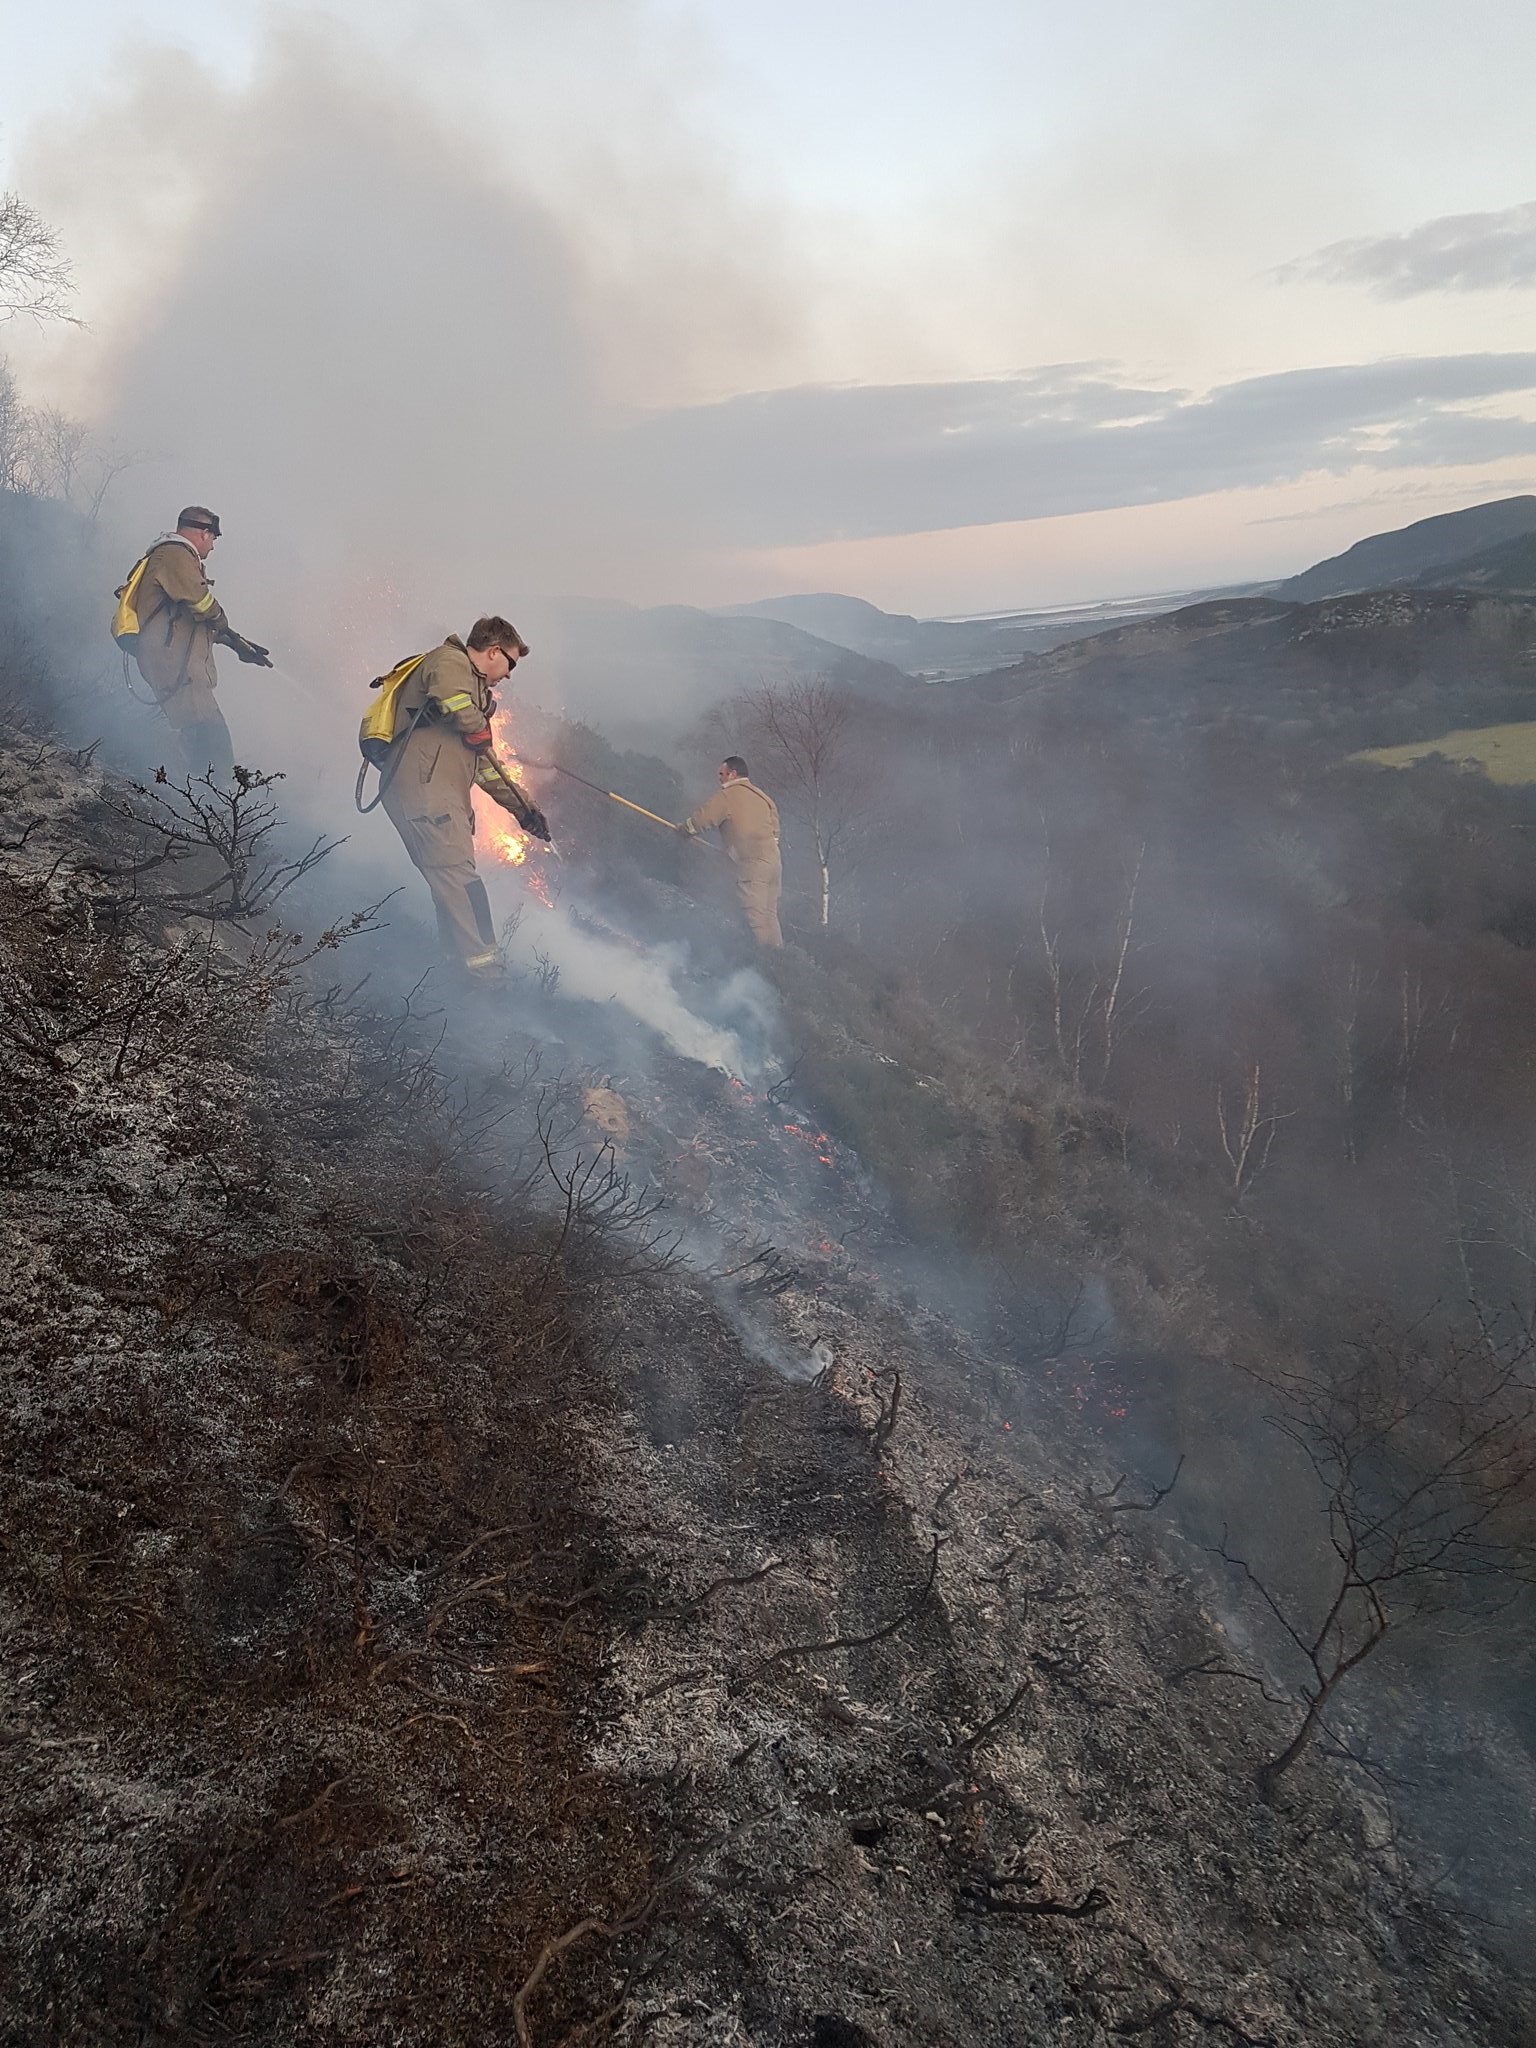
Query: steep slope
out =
(438, 1611)
(1403, 555)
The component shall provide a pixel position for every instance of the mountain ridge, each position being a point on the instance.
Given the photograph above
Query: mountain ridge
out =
(1405, 552)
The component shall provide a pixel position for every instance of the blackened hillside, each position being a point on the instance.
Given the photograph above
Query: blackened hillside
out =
(435, 1614)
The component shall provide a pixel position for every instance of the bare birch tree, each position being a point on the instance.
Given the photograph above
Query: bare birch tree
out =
(1098, 1010)
(1247, 1131)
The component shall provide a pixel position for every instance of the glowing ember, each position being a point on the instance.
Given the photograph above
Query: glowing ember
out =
(818, 1141)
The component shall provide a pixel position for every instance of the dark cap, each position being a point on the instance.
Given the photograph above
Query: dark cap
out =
(199, 515)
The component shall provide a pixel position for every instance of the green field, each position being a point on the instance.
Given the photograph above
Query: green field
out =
(1505, 753)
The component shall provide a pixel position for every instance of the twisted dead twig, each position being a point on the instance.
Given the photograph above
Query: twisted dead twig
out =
(945, 1491)
(879, 1635)
(439, 1714)
(885, 1424)
(1201, 2014)
(992, 1885)
(15, 845)
(628, 1923)
(939, 1784)
(495, 1536)
(1214, 1667)
(1176, 2000)
(321, 1798)
(990, 1727)
(492, 1586)
(1113, 1506)
(686, 1609)
(772, 1094)
(1092, 1902)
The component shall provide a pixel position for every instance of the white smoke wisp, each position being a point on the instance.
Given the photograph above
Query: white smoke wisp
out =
(599, 970)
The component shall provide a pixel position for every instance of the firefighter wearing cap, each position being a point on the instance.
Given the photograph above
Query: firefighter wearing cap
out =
(442, 753)
(748, 819)
(180, 621)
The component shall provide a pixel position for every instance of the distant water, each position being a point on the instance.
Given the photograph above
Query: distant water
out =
(1109, 609)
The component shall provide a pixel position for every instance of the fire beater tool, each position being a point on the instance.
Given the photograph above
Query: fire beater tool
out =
(614, 797)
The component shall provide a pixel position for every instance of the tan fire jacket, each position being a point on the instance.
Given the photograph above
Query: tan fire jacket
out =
(179, 621)
(748, 819)
(443, 705)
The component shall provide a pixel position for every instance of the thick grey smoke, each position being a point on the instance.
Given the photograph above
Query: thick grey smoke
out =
(387, 362)
(584, 964)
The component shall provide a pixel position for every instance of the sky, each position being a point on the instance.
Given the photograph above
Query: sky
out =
(954, 308)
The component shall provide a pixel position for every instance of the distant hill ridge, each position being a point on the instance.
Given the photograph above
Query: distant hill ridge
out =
(928, 648)
(614, 657)
(1382, 667)
(1411, 553)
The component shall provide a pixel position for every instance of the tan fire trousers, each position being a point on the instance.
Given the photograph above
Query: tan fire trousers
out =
(758, 881)
(442, 846)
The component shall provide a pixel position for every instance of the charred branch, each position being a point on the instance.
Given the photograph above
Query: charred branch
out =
(885, 1422)
(1109, 1502)
(631, 1922)
(858, 1642)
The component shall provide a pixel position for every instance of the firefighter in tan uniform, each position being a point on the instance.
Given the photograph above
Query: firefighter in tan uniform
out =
(443, 751)
(180, 622)
(749, 830)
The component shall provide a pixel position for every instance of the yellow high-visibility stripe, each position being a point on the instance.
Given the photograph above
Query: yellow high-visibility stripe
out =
(458, 702)
(482, 959)
(204, 603)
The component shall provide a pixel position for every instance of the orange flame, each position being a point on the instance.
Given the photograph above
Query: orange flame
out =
(505, 837)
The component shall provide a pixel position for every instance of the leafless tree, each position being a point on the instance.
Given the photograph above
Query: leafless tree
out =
(66, 460)
(1424, 1448)
(1355, 988)
(1247, 1132)
(1095, 1011)
(35, 275)
(15, 434)
(1421, 1014)
(230, 833)
(46, 453)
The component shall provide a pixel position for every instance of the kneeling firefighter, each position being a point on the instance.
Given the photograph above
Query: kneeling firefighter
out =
(429, 735)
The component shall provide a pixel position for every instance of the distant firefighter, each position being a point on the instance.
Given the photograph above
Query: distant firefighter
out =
(749, 830)
(430, 736)
(169, 620)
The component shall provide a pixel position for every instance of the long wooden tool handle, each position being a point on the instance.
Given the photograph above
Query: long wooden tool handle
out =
(654, 816)
(553, 767)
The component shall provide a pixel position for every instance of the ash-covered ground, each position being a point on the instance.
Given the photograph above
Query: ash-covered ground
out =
(497, 1548)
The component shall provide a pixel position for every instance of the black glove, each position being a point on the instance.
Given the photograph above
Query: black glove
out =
(533, 820)
(248, 651)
